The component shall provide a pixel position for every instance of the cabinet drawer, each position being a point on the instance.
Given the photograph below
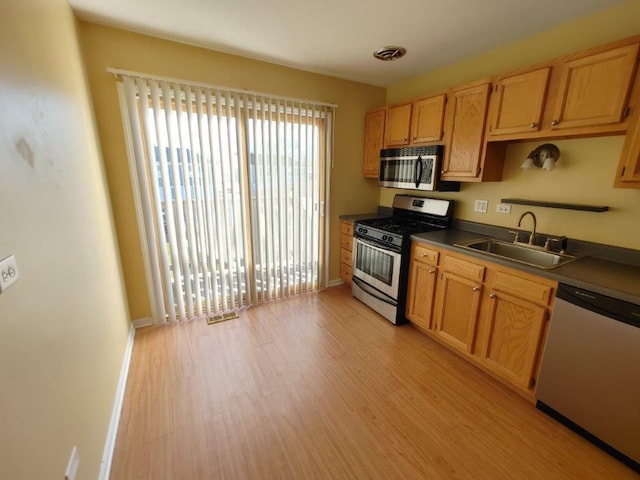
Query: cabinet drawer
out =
(346, 256)
(423, 254)
(346, 242)
(522, 288)
(463, 268)
(345, 273)
(347, 228)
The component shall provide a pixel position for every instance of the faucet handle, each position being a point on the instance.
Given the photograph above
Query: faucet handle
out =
(561, 240)
(517, 236)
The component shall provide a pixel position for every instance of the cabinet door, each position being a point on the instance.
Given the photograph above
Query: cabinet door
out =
(458, 301)
(346, 246)
(628, 173)
(373, 141)
(594, 89)
(519, 102)
(469, 115)
(397, 125)
(427, 119)
(515, 331)
(420, 295)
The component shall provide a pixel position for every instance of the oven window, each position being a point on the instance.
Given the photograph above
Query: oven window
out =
(374, 262)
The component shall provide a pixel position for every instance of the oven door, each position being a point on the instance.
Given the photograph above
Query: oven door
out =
(377, 266)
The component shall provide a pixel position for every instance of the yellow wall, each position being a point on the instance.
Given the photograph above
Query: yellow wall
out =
(586, 168)
(107, 47)
(64, 325)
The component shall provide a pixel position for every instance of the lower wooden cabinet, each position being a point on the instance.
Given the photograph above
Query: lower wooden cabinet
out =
(494, 316)
(513, 343)
(422, 281)
(457, 307)
(346, 254)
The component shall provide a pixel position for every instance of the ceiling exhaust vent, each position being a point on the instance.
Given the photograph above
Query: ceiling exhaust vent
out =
(389, 53)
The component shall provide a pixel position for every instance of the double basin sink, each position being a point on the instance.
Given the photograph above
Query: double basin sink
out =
(518, 252)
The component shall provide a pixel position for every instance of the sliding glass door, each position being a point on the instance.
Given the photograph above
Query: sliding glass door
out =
(232, 189)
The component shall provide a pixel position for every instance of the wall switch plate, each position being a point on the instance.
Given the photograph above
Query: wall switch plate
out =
(503, 208)
(8, 272)
(72, 467)
(480, 206)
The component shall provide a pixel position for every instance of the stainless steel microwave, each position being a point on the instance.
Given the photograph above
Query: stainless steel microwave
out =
(414, 168)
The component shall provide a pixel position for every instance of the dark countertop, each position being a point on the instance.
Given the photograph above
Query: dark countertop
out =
(600, 275)
(382, 212)
(362, 216)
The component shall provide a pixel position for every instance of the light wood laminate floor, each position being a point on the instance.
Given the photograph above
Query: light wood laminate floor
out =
(321, 387)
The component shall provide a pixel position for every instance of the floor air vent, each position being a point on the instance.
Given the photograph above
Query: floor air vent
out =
(221, 318)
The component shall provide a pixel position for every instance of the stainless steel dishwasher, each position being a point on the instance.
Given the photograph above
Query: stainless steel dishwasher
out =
(590, 373)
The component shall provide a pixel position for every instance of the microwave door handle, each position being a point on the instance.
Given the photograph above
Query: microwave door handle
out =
(418, 171)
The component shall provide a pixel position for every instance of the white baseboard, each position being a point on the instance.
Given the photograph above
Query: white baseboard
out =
(107, 455)
(335, 282)
(143, 322)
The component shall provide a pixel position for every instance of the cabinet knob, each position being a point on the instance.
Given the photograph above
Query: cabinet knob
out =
(475, 289)
(492, 295)
(442, 172)
(432, 271)
(554, 122)
(414, 138)
(533, 125)
(404, 140)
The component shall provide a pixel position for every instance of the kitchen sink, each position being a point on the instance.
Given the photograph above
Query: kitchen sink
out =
(517, 252)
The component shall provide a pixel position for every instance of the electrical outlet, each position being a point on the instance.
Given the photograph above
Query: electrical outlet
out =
(72, 467)
(480, 206)
(8, 272)
(503, 208)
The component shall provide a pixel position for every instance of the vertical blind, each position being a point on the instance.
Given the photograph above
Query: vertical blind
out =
(231, 188)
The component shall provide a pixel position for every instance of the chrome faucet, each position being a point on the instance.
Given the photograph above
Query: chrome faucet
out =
(533, 232)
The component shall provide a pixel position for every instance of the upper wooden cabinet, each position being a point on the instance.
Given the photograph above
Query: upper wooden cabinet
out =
(466, 119)
(519, 101)
(415, 123)
(595, 88)
(591, 93)
(427, 119)
(628, 173)
(373, 141)
(579, 95)
(398, 125)
(468, 157)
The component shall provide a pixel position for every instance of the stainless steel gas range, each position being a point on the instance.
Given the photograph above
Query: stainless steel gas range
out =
(381, 248)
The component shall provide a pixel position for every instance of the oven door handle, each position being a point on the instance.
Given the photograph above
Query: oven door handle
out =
(418, 171)
(373, 292)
